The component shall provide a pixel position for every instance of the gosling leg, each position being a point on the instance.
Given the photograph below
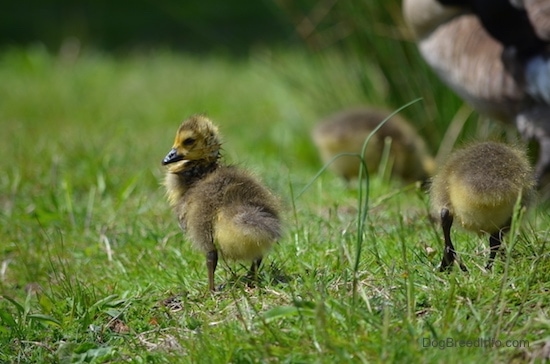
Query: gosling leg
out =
(449, 254)
(211, 264)
(495, 240)
(254, 268)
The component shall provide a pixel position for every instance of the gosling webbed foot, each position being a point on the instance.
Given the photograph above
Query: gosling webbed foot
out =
(449, 257)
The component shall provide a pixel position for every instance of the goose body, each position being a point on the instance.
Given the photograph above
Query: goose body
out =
(494, 60)
(220, 208)
(478, 187)
(346, 132)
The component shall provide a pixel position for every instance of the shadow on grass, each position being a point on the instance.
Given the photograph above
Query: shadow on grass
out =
(268, 276)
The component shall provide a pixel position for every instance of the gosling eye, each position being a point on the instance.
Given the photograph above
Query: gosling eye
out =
(188, 142)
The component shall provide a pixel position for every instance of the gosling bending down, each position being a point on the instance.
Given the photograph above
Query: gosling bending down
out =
(346, 131)
(220, 208)
(479, 186)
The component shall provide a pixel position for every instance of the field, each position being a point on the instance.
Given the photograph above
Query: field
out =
(94, 267)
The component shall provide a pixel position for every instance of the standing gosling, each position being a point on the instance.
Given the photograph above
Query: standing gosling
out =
(220, 208)
(346, 131)
(479, 186)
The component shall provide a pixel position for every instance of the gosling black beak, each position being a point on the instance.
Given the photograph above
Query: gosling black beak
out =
(172, 157)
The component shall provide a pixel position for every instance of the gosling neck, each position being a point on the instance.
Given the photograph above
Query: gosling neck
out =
(196, 170)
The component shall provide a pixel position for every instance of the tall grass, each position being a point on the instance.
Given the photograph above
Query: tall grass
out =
(95, 269)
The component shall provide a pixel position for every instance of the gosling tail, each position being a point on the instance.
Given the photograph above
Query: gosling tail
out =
(246, 232)
(257, 221)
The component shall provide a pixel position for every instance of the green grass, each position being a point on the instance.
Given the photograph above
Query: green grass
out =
(94, 267)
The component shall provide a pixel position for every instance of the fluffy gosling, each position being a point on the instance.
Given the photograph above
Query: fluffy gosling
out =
(346, 131)
(220, 208)
(479, 186)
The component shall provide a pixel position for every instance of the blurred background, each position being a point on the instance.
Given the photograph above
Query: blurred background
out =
(118, 26)
(366, 40)
(279, 65)
(360, 50)
(309, 58)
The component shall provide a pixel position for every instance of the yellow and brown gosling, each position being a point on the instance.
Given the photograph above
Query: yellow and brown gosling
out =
(478, 186)
(220, 208)
(346, 131)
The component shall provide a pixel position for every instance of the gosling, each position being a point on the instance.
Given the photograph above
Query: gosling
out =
(346, 131)
(479, 186)
(220, 208)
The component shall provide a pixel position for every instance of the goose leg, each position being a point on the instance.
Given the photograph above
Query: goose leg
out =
(533, 125)
(543, 163)
(211, 263)
(449, 254)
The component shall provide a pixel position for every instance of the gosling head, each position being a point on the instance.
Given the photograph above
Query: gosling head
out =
(197, 139)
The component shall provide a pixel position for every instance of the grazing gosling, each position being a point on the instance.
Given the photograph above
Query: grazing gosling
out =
(479, 186)
(220, 208)
(346, 131)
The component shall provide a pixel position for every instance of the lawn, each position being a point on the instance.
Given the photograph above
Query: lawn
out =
(94, 267)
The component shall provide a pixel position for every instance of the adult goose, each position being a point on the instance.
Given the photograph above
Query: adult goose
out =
(495, 55)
